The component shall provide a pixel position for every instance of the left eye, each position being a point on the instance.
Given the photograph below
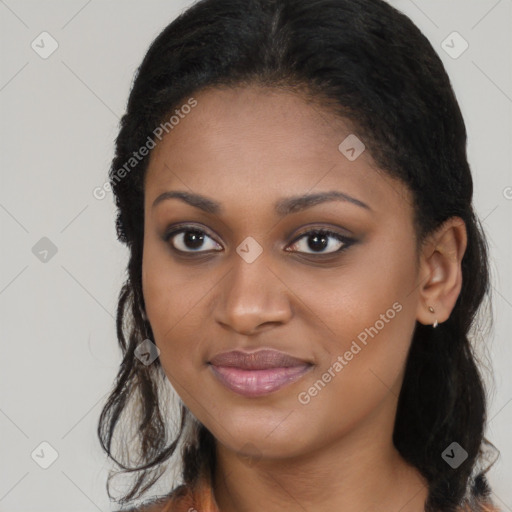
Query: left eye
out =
(318, 240)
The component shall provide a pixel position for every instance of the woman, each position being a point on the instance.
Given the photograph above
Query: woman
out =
(292, 182)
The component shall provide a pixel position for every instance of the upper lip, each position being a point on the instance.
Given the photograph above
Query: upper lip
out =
(260, 360)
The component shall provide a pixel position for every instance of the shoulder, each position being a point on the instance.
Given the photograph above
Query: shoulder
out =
(481, 506)
(157, 505)
(168, 503)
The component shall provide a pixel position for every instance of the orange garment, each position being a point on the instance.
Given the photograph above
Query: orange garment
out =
(197, 499)
(201, 499)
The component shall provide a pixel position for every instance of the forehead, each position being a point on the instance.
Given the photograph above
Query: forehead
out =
(256, 144)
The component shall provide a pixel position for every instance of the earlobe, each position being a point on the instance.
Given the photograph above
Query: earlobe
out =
(440, 272)
(432, 310)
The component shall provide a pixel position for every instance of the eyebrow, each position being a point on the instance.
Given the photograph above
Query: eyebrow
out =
(282, 207)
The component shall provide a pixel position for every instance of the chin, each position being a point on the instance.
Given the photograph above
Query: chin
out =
(259, 441)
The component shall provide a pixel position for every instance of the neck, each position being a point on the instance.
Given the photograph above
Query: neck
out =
(360, 471)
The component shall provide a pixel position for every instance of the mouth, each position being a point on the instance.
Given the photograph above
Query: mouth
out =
(257, 373)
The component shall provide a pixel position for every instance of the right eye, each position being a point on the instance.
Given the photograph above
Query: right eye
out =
(190, 240)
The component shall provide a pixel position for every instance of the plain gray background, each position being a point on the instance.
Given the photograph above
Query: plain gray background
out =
(59, 118)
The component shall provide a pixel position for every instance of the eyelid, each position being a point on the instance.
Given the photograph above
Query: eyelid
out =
(174, 228)
(322, 228)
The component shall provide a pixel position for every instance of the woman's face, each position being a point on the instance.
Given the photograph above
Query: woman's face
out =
(260, 277)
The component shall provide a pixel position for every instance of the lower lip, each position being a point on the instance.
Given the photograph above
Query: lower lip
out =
(253, 383)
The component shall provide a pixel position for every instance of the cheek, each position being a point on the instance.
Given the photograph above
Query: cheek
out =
(364, 313)
(366, 290)
(166, 289)
(175, 301)
(164, 306)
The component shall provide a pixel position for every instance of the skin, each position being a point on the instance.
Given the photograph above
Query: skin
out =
(246, 148)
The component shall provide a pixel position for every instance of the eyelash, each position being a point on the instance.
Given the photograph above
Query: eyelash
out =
(347, 242)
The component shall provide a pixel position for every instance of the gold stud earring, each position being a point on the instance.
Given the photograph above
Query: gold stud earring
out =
(432, 310)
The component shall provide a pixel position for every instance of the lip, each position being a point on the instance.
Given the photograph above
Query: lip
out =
(262, 359)
(258, 373)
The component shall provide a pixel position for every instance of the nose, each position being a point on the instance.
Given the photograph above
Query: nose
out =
(252, 298)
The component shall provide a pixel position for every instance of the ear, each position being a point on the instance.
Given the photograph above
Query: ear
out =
(440, 272)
